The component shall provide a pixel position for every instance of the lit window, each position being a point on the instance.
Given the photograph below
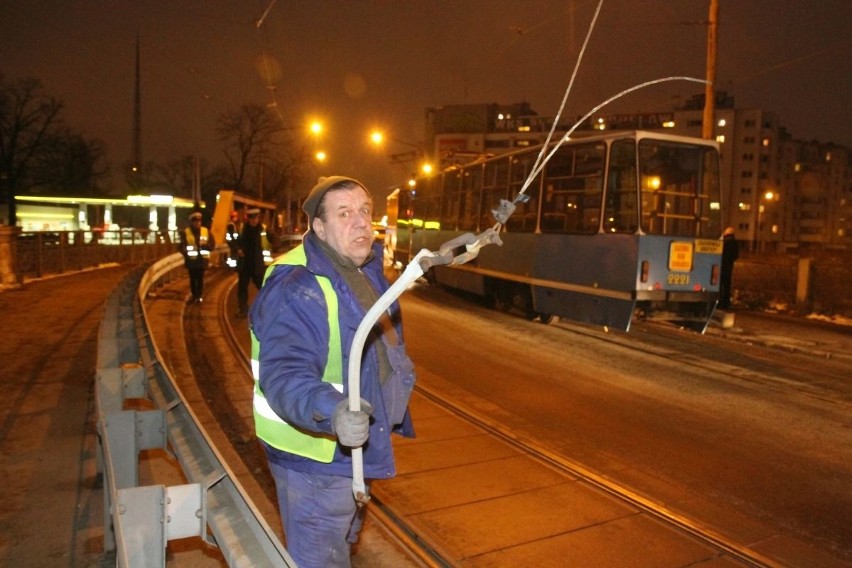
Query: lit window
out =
(722, 122)
(720, 138)
(765, 142)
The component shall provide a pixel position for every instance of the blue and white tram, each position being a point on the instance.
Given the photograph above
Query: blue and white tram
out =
(616, 225)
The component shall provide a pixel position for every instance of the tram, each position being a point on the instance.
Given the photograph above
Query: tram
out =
(616, 226)
(228, 201)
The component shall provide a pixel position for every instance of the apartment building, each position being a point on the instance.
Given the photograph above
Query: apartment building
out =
(781, 193)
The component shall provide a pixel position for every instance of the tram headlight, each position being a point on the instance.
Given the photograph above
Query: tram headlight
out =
(646, 268)
(714, 275)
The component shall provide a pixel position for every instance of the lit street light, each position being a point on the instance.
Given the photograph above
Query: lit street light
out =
(377, 138)
(763, 199)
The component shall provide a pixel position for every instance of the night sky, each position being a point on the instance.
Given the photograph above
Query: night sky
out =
(362, 64)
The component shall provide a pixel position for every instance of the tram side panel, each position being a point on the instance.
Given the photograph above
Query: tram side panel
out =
(587, 278)
(583, 278)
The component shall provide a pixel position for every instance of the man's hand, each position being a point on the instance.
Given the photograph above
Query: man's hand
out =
(351, 428)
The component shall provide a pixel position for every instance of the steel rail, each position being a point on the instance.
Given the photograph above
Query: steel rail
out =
(657, 510)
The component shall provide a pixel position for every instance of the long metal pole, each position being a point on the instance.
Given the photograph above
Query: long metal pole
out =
(709, 95)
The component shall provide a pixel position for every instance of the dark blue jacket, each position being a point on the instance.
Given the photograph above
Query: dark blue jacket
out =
(289, 318)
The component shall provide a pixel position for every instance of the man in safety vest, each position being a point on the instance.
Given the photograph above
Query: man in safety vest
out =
(196, 242)
(254, 254)
(232, 233)
(303, 322)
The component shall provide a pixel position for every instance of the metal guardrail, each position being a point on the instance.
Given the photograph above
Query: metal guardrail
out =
(56, 252)
(139, 521)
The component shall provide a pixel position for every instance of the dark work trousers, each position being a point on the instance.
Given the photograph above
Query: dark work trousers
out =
(196, 282)
(247, 276)
(725, 287)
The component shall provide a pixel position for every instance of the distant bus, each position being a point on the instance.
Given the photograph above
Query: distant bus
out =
(616, 226)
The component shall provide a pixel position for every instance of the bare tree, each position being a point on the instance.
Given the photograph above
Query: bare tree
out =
(249, 135)
(28, 117)
(69, 163)
(38, 153)
(263, 158)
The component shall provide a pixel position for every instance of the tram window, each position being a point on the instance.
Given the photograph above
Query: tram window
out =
(495, 186)
(523, 220)
(679, 189)
(621, 214)
(452, 195)
(426, 202)
(572, 190)
(470, 194)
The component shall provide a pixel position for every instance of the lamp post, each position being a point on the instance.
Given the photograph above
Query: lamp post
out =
(315, 129)
(764, 198)
(418, 154)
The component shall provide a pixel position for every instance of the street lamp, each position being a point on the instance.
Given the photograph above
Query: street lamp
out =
(377, 138)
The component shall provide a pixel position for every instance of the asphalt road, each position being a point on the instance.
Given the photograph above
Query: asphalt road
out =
(744, 433)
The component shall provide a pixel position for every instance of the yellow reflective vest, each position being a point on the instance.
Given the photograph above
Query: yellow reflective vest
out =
(270, 427)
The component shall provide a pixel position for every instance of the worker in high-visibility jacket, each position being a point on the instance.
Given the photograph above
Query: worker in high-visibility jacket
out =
(303, 322)
(232, 233)
(196, 243)
(254, 254)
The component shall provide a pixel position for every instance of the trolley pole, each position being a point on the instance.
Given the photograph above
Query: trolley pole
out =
(709, 94)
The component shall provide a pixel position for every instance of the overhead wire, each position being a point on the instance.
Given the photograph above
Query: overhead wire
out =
(544, 156)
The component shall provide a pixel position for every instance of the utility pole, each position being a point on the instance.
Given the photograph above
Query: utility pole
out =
(137, 118)
(709, 88)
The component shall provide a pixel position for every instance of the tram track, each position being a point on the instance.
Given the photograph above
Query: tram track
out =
(421, 543)
(747, 360)
(429, 556)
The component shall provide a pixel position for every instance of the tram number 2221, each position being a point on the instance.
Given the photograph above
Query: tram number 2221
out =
(678, 279)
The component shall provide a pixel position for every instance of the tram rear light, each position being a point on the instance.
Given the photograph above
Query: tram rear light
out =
(646, 267)
(714, 275)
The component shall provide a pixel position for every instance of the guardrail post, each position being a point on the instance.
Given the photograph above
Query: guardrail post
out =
(139, 521)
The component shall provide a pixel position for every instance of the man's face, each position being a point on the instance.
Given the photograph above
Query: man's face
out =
(253, 219)
(347, 228)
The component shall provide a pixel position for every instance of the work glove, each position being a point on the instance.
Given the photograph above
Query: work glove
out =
(351, 428)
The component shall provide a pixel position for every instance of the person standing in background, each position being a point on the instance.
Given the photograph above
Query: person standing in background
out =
(195, 244)
(254, 252)
(730, 253)
(232, 233)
